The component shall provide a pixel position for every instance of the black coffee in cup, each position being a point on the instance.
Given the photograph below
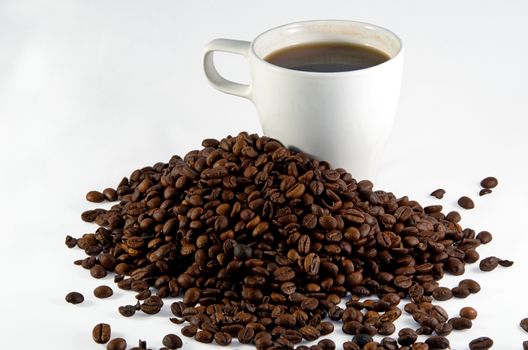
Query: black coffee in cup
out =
(327, 57)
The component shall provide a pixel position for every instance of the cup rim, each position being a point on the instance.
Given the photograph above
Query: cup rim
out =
(328, 74)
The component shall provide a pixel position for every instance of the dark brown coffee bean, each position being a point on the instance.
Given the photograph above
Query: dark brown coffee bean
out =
(348, 345)
(524, 324)
(310, 332)
(466, 202)
(191, 296)
(127, 310)
(362, 339)
(242, 252)
(468, 312)
(110, 194)
(311, 264)
(103, 292)
(489, 182)
(455, 266)
(222, 338)
(386, 328)
(443, 329)
(407, 336)
(471, 285)
(172, 341)
(437, 343)
(70, 241)
(484, 192)
(525, 345)
(325, 328)
(460, 292)
(482, 343)
(442, 293)
(95, 197)
(460, 323)
(489, 263)
(438, 194)
(505, 263)
(189, 330)
(74, 298)
(204, 337)
(116, 344)
(101, 333)
(246, 335)
(97, 271)
(152, 305)
(326, 344)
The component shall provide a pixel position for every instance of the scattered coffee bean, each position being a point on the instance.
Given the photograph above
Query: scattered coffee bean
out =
(95, 197)
(489, 263)
(484, 237)
(362, 339)
(489, 182)
(466, 202)
(442, 293)
(484, 191)
(505, 263)
(459, 323)
(101, 333)
(468, 312)
(407, 336)
(524, 324)
(472, 285)
(482, 343)
(110, 194)
(127, 310)
(437, 342)
(204, 337)
(116, 344)
(460, 292)
(74, 298)
(438, 194)
(172, 341)
(103, 292)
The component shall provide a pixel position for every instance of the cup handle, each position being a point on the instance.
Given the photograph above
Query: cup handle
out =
(231, 46)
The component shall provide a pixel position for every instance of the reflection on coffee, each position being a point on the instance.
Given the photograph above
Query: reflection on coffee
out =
(327, 57)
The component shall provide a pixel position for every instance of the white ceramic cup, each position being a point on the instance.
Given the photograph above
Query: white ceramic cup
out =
(345, 117)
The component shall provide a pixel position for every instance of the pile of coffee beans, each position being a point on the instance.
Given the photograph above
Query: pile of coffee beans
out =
(264, 244)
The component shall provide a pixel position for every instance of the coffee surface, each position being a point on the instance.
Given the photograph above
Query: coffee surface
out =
(327, 57)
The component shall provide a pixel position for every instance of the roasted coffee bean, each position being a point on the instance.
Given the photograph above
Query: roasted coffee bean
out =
(484, 192)
(466, 202)
(172, 341)
(468, 312)
(127, 310)
(439, 193)
(152, 305)
(489, 263)
(442, 293)
(97, 271)
(191, 296)
(489, 182)
(116, 344)
(101, 333)
(74, 298)
(310, 332)
(460, 292)
(103, 292)
(407, 336)
(484, 237)
(326, 344)
(443, 329)
(471, 285)
(460, 323)
(525, 345)
(70, 241)
(437, 343)
(524, 324)
(110, 194)
(242, 252)
(361, 339)
(505, 263)
(95, 197)
(222, 338)
(189, 330)
(348, 345)
(482, 343)
(246, 335)
(204, 337)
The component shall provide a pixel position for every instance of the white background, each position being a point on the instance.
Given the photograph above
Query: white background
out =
(91, 90)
